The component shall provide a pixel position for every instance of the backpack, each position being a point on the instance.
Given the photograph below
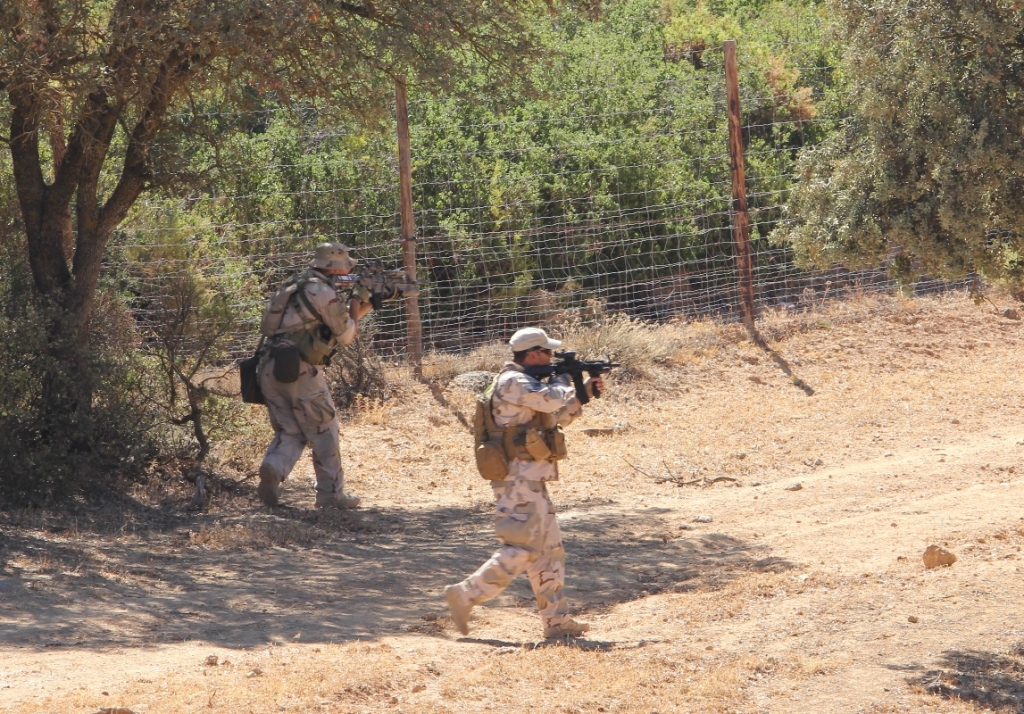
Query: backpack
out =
(488, 438)
(307, 339)
(273, 315)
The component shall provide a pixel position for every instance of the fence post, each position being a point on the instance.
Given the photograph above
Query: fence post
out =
(413, 327)
(740, 219)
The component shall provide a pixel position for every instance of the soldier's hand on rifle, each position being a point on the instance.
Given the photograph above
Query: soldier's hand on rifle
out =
(357, 309)
(361, 293)
(595, 386)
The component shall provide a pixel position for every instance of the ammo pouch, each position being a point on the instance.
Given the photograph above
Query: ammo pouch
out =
(250, 381)
(490, 459)
(555, 440)
(311, 347)
(531, 443)
(287, 363)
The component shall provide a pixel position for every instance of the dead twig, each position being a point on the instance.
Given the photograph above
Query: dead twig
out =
(638, 470)
(702, 481)
(677, 480)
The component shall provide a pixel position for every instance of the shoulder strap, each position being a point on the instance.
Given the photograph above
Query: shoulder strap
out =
(487, 398)
(306, 302)
(290, 281)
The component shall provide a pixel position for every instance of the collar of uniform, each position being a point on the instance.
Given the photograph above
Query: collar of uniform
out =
(314, 273)
(513, 366)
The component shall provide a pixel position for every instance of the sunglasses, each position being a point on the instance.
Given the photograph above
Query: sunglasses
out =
(545, 350)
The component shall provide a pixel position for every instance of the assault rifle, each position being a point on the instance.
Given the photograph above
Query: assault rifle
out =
(381, 283)
(568, 364)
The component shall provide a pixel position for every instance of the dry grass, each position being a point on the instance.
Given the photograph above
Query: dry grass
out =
(788, 602)
(254, 534)
(379, 677)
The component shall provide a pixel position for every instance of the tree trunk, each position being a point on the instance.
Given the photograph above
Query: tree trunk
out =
(58, 150)
(42, 218)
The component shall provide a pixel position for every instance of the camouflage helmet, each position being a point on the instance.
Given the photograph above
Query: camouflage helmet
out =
(332, 256)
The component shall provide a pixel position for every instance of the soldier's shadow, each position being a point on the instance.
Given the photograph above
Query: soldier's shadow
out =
(295, 575)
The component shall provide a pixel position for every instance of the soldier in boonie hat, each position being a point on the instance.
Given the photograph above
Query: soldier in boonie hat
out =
(330, 258)
(303, 323)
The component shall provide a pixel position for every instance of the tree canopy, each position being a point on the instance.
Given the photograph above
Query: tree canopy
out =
(91, 84)
(929, 165)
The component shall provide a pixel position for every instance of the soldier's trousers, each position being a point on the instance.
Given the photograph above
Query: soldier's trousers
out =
(530, 540)
(302, 412)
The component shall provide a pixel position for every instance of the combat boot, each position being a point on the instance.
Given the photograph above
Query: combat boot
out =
(269, 489)
(339, 500)
(566, 628)
(459, 606)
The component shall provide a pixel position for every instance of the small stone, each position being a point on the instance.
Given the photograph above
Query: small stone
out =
(913, 618)
(506, 650)
(819, 462)
(703, 519)
(393, 701)
(255, 673)
(795, 487)
(418, 688)
(212, 661)
(1010, 314)
(756, 483)
(740, 455)
(935, 556)
(954, 420)
(430, 617)
(887, 454)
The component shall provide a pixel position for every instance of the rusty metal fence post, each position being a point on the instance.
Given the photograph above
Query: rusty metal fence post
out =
(740, 218)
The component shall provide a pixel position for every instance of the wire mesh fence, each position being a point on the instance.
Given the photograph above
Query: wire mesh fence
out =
(609, 196)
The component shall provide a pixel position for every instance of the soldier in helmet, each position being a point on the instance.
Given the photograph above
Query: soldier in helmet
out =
(304, 321)
(524, 416)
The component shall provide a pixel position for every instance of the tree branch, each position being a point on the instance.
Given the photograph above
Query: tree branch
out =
(368, 11)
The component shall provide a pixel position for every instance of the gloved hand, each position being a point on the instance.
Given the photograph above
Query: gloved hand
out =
(361, 293)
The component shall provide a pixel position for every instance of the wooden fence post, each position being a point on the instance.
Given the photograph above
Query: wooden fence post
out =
(740, 218)
(414, 326)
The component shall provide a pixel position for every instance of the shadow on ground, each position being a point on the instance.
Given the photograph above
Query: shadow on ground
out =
(994, 681)
(245, 579)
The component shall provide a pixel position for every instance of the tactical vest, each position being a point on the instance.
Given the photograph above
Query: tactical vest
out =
(307, 339)
(540, 439)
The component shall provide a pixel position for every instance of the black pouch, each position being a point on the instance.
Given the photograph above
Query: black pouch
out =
(287, 362)
(251, 392)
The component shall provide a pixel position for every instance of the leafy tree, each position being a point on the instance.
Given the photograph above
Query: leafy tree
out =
(929, 165)
(93, 86)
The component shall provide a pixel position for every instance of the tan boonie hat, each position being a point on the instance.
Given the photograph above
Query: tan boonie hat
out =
(530, 337)
(332, 256)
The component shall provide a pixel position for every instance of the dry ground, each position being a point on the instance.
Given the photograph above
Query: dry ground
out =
(809, 600)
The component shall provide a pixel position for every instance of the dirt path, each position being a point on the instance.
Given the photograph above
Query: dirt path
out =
(787, 601)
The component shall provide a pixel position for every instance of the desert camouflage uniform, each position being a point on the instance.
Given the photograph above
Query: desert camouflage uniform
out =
(526, 524)
(303, 411)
